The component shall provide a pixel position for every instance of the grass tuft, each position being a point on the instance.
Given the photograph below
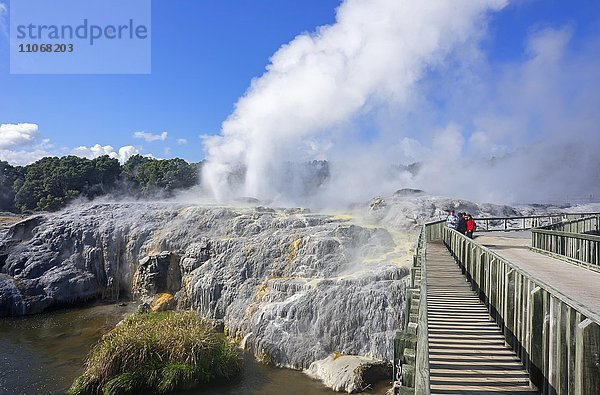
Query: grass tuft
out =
(159, 353)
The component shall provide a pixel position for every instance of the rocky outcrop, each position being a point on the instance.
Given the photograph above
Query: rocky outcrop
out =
(157, 274)
(295, 286)
(349, 373)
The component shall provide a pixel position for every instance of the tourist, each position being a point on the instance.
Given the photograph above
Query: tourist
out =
(461, 227)
(470, 226)
(452, 220)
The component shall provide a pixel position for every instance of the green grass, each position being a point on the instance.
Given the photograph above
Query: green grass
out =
(158, 353)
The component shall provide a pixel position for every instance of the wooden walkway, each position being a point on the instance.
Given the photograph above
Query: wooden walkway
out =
(576, 282)
(467, 352)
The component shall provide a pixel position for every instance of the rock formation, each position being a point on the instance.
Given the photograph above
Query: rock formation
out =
(294, 286)
(349, 373)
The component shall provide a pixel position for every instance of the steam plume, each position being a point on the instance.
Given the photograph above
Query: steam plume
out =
(393, 82)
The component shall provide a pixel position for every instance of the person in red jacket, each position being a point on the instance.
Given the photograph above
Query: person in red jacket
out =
(470, 226)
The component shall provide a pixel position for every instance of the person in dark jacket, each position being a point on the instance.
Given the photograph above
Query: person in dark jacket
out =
(462, 223)
(470, 226)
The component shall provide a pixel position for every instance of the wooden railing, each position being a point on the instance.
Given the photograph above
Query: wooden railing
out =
(557, 339)
(490, 224)
(569, 240)
(411, 346)
(422, 382)
(589, 223)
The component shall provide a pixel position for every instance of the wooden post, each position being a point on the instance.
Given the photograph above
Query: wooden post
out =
(509, 307)
(587, 361)
(553, 345)
(536, 352)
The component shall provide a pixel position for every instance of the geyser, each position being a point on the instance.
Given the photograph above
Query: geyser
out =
(392, 83)
(371, 57)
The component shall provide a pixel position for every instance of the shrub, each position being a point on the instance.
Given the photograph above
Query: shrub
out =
(158, 353)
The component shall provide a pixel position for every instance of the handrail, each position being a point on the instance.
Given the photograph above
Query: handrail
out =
(580, 236)
(565, 241)
(525, 222)
(563, 215)
(545, 327)
(579, 225)
(422, 380)
(411, 346)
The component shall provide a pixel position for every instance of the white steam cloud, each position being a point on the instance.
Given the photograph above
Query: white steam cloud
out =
(394, 82)
(534, 128)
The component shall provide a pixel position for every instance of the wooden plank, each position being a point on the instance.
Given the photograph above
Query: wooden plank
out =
(467, 350)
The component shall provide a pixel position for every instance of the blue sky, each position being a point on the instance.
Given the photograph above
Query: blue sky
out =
(509, 28)
(204, 55)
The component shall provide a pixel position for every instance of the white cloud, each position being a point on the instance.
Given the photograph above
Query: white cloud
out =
(182, 141)
(97, 150)
(19, 134)
(24, 157)
(149, 137)
(20, 144)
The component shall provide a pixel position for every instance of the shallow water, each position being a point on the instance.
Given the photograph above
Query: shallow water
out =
(43, 354)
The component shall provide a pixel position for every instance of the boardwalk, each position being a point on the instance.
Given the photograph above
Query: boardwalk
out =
(578, 283)
(467, 353)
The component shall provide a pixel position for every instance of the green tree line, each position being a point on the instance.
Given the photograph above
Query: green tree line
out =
(50, 183)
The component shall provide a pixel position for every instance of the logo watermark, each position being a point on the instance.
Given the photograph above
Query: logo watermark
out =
(80, 37)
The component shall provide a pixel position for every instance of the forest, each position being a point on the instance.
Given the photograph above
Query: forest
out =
(51, 183)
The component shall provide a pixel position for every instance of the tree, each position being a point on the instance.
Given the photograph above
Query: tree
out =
(159, 176)
(107, 172)
(9, 175)
(51, 183)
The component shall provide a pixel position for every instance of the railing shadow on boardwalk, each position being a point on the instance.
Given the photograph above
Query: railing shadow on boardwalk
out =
(556, 338)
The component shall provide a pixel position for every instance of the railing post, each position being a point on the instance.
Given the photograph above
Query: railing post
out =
(587, 361)
(509, 307)
(536, 335)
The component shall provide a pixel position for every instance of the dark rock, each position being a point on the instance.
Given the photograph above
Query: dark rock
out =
(409, 192)
(157, 274)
